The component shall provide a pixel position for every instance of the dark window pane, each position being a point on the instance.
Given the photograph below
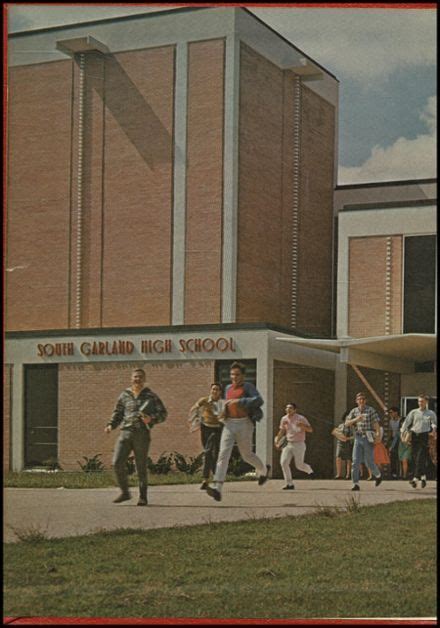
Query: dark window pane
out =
(41, 413)
(419, 285)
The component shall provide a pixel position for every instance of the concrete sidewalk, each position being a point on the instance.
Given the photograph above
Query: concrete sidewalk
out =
(71, 512)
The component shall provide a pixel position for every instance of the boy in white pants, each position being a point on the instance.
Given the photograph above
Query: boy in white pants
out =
(294, 426)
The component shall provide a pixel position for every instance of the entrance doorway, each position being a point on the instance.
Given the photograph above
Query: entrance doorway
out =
(41, 415)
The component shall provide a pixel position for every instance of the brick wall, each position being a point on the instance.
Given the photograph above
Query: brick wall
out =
(367, 314)
(88, 393)
(7, 389)
(204, 201)
(315, 235)
(396, 305)
(312, 389)
(265, 184)
(38, 213)
(126, 195)
(139, 104)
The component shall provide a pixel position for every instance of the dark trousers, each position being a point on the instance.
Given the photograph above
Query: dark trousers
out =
(138, 441)
(394, 459)
(420, 453)
(211, 445)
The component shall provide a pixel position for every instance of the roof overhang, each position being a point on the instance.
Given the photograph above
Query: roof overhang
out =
(78, 45)
(396, 353)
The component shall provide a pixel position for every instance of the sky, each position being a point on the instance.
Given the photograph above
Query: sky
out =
(385, 60)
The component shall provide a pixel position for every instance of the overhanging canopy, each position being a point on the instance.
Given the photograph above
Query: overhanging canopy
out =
(398, 352)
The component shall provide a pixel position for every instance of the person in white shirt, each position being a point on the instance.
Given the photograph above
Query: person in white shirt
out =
(420, 422)
(294, 426)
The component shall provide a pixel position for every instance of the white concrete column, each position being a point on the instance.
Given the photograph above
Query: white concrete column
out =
(179, 203)
(230, 179)
(17, 418)
(342, 285)
(341, 400)
(264, 431)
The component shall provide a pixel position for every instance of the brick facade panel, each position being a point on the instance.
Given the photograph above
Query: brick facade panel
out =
(138, 183)
(204, 200)
(261, 233)
(88, 394)
(396, 285)
(367, 286)
(315, 235)
(38, 214)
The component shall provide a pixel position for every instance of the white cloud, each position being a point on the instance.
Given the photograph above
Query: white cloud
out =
(405, 159)
(362, 44)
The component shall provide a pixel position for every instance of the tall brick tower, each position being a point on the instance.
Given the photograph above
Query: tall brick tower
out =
(170, 206)
(164, 152)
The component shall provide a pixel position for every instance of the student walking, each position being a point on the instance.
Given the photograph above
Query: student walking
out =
(294, 426)
(137, 410)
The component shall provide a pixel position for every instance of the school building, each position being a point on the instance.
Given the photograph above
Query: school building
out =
(173, 204)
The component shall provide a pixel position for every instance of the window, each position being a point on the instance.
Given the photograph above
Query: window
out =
(419, 288)
(41, 414)
(410, 403)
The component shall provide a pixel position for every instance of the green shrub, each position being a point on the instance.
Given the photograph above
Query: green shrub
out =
(188, 465)
(162, 465)
(92, 465)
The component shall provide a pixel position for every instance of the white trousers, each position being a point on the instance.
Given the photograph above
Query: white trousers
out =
(236, 431)
(297, 452)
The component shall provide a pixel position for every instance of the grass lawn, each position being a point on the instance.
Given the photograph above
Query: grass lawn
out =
(103, 479)
(377, 561)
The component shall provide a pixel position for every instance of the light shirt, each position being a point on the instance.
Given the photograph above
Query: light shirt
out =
(420, 421)
(294, 434)
(394, 425)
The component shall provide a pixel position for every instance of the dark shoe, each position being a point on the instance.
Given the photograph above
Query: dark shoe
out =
(356, 487)
(347, 477)
(142, 501)
(263, 478)
(338, 477)
(378, 480)
(288, 487)
(370, 479)
(204, 485)
(413, 483)
(123, 497)
(423, 483)
(213, 492)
